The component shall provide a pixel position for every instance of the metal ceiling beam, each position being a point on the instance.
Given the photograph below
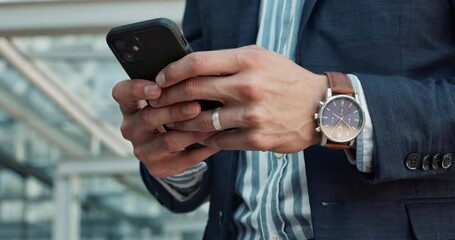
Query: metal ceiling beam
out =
(107, 167)
(97, 167)
(22, 112)
(24, 170)
(64, 98)
(29, 18)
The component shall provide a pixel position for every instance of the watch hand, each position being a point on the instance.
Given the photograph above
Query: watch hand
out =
(342, 119)
(336, 126)
(336, 116)
(347, 124)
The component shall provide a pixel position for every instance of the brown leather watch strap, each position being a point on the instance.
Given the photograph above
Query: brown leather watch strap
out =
(340, 83)
(337, 146)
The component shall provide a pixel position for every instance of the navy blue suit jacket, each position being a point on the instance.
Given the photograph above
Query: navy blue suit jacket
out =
(403, 52)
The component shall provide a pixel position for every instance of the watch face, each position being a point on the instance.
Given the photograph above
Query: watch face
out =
(341, 119)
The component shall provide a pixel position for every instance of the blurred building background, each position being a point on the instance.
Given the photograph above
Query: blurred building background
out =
(65, 171)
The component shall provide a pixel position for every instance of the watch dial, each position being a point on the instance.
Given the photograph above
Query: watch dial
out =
(341, 119)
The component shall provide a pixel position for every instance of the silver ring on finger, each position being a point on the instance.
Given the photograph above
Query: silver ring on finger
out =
(216, 119)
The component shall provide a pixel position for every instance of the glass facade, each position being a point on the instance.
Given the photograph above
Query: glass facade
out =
(38, 133)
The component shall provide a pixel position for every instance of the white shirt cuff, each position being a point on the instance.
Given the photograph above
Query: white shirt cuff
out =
(364, 150)
(184, 185)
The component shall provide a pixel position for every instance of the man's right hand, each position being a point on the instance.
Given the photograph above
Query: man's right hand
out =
(163, 153)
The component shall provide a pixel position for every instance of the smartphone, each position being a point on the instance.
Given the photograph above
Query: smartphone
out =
(145, 48)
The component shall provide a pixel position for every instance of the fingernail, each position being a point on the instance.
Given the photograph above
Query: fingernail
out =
(188, 110)
(160, 80)
(151, 90)
(170, 125)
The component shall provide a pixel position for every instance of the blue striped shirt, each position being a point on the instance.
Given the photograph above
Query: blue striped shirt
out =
(273, 186)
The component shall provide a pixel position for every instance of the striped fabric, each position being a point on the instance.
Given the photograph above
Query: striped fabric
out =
(273, 186)
(275, 194)
(187, 181)
(279, 25)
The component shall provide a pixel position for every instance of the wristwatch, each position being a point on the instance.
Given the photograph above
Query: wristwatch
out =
(340, 118)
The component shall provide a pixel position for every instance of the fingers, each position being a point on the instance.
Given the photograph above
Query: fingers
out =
(228, 117)
(154, 117)
(130, 94)
(181, 161)
(165, 154)
(239, 139)
(138, 127)
(165, 143)
(222, 62)
(207, 88)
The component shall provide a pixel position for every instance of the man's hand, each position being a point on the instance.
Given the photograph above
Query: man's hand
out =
(269, 101)
(161, 152)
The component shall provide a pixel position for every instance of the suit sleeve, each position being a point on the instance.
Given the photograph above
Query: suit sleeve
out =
(412, 119)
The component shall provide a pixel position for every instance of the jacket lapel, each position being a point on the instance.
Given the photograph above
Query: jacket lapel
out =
(248, 21)
(307, 10)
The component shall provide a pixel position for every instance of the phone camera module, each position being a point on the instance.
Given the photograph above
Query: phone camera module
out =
(129, 57)
(120, 45)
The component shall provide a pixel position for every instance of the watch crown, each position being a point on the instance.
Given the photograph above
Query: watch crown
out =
(321, 104)
(318, 129)
(316, 116)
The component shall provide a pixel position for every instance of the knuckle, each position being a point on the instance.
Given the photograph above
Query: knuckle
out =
(126, 131)
(253, 117)
(250, 58)
(205, 123)
(137, 90)
(196, 62)
(190, 88)
(249, 90)
(255, 47)
(116, 92)
(173, 114)
(146, 117)
(139, 153)
(256, 141)
(169, 70)
(169, 144)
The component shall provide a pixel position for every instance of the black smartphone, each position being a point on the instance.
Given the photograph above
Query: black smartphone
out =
(145, 48)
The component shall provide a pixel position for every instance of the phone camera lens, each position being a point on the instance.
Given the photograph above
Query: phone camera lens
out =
(120, 44)
(129, 57)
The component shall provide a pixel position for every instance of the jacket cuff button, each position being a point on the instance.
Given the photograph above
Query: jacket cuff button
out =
(437, 160)
(447, 161)
(426, 162)
(413, 161)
